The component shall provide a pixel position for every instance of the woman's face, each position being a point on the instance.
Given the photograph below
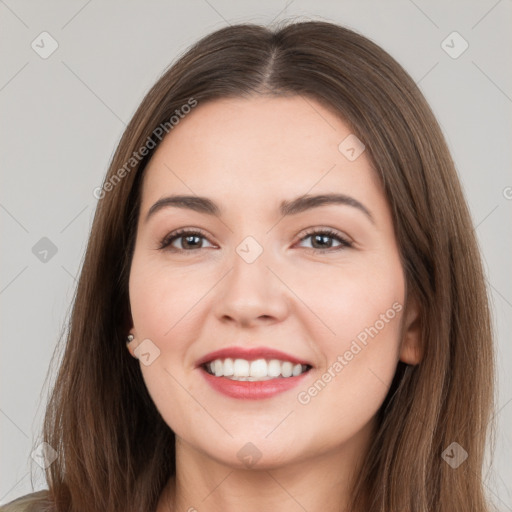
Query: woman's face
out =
(259, 274)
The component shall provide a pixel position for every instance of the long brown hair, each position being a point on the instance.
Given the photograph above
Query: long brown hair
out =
(116, 453)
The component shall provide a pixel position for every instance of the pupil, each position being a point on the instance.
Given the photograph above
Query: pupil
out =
(188, 238)
(322, 238)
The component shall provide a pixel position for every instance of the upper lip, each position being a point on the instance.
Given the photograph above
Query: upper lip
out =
(250, 354)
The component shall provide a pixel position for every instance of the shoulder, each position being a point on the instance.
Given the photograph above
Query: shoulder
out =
(34, 502)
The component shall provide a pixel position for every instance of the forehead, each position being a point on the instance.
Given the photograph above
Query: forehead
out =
(256, 147)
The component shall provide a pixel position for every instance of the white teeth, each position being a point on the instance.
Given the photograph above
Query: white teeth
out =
(240, 368)
(274, 368)
(228, 367)
(297, 370)
(218, 367)
(259, 369)
(286, 369)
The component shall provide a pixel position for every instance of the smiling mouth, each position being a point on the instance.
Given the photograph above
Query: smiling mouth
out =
(256, 370)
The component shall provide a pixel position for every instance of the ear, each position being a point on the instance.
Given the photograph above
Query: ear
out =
(411, 351)
(132, 345)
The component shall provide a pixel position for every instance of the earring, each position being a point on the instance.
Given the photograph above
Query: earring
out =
(129, 338)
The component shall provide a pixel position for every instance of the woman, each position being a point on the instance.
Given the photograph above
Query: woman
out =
(282, 296)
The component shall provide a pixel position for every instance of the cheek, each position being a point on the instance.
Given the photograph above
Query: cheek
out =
(162, 298)
(348, 298)
(162, 302)
(349, 390)
(368, 308)
(360, 306)
(363, 307)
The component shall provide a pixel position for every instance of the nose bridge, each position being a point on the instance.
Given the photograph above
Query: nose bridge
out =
(251, 290)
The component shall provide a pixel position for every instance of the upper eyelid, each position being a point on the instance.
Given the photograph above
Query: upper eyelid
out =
(180, 232)
(306, 233)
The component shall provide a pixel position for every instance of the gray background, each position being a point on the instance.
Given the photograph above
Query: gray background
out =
(62, 117)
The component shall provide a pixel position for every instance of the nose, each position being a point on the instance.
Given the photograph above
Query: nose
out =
(252, 294)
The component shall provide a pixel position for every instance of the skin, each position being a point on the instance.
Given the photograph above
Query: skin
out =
(248, 155)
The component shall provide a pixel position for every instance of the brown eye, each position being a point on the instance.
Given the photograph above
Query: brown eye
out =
(321, 240)
(188, 239)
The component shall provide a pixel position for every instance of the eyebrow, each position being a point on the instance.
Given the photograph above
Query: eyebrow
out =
(287, 208)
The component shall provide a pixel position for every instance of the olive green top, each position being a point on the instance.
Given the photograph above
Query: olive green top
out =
(34, 502)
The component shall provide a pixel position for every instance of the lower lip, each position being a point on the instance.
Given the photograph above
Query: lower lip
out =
(251, 390)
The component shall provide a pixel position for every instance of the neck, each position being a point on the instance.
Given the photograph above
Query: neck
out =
(320, 483)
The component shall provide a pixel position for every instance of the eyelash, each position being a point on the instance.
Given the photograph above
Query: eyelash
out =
(175, 235)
